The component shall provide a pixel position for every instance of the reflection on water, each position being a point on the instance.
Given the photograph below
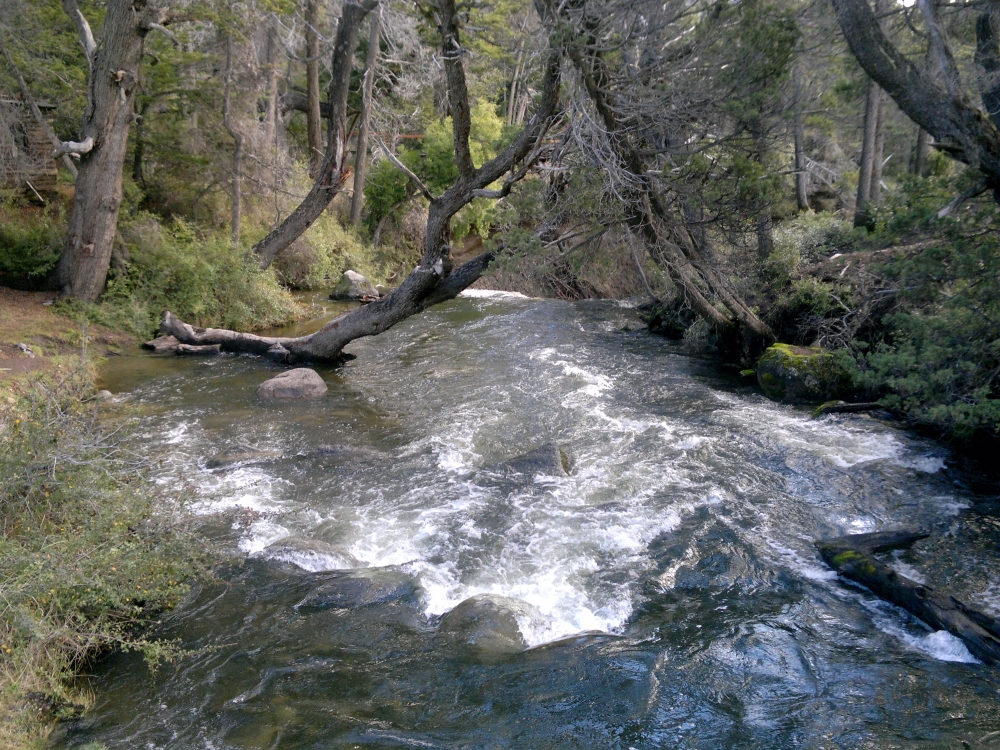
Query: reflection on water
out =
(676, 597)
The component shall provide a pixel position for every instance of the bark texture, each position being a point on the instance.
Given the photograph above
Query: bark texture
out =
(113, 82)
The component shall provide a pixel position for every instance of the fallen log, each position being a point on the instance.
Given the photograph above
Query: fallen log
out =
(843, 407)
(182, 350)
(853, 557)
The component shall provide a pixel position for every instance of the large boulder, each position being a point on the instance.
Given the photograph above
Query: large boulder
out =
(489, 622)
(298, 383)
(353, 285)
(548, 459)
(308, 554)
(803, 375)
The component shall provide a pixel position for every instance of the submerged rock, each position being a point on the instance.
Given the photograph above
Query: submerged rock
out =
(489, 622)
(548, 459)
(353, 285)
(298, 383)
(358, 589)
(800, 374)
(309, 554)
(239, 454)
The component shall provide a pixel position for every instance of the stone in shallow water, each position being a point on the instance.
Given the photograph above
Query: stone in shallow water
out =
(353, 285)
(489, 622)
(309, 554)
(548, 459)
(240, 454)
(358, 589)
(298, 383)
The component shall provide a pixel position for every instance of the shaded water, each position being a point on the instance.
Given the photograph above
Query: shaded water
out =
(678, 599)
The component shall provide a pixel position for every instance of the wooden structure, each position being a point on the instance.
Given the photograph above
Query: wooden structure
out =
(27, 157)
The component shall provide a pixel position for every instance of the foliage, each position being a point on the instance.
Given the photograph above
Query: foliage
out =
(198, 276)
(30, 242)
(85, 562)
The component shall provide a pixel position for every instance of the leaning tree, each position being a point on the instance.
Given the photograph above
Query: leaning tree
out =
(435, 279)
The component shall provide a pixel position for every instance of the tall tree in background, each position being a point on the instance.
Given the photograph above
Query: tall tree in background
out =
(313, 122)
(361, 160)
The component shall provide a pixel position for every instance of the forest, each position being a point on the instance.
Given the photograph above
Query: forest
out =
(803, 192)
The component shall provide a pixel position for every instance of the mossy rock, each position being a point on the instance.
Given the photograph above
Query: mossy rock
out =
(803, 375)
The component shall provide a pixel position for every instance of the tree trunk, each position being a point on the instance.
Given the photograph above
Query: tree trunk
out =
(313, 123)
(921, 153)
(513, 91)
(361, 160)
(964, 132)
(113, 82)
(868, 142)
(333, 171)
(878, 162)
(271, 113)
(801, 175)
(227, 119)
(138, 176)
(764, 223)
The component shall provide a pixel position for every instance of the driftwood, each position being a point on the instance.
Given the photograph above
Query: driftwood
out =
(188, 350)
(853, 557)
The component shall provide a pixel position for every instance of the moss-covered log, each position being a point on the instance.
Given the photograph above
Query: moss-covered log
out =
(853, 557)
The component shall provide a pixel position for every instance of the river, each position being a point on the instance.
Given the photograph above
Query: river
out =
(676, 598)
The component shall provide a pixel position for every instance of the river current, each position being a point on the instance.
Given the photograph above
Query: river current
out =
(676, 596)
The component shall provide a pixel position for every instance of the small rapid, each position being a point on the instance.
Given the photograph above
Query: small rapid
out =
(674, 596)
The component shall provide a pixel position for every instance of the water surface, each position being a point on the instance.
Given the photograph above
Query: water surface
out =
(678, 598)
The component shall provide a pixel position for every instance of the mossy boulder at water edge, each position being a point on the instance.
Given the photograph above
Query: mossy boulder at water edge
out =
(804, 374)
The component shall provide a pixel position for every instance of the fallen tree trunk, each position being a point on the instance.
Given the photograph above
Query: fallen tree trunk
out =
(853, 557)
(434, 280)
(416, 294)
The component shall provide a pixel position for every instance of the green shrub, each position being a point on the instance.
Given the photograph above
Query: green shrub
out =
(200, 278)
(30, 246)
(85, 563)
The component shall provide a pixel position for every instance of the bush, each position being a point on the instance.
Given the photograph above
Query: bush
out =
(85, 563)
(200, 278)
(30, 246)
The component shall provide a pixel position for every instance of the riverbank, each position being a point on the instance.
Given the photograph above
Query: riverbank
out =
(90, 550)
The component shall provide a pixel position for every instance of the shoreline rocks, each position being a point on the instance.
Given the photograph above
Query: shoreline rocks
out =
(298, 383)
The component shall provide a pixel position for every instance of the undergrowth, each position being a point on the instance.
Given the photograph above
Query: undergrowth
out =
(86, 564)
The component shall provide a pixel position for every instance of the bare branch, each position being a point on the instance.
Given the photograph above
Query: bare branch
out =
(978, 189)
(939, 44)
(82, 28)
(403, 168)
(75, 148)
(164, 30)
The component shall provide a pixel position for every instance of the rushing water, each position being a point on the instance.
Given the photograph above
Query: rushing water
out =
(677, 598)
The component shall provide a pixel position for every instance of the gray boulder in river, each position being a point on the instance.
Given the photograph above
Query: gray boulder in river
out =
(298, 383)
(489, 622)
(548, 459)
(309, 554)
(353, 285)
